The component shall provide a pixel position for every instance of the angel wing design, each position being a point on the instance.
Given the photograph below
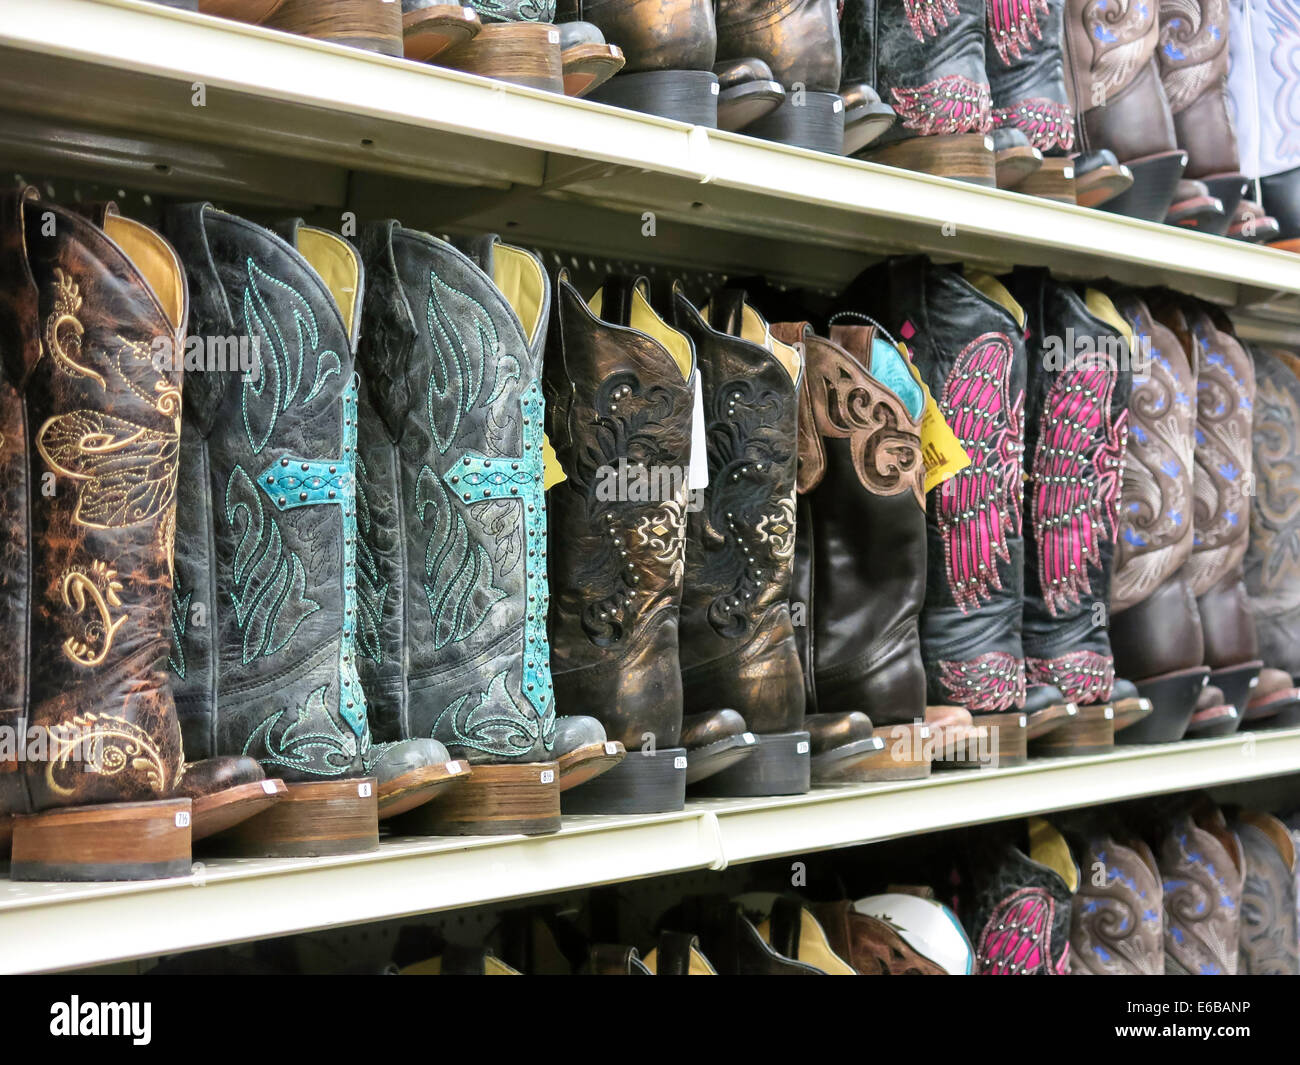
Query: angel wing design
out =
(988, 683)
(1117, 29)
(951, 104)
(1013, 26)
(1076, 474)
(126, 473)
(1046, 123)
(1017, 938)
(979, 508)
(928, 17)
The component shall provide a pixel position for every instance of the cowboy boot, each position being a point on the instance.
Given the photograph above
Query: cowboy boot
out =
(1222, 484)
(967, 342)
(1193, 59)
(620, 396)
(790, 927)
(860, 550)
(1118, 100)
(1076, 435)
(1272, 563)
(926, 60)
(866, 115)
(897, 934)
(1201, 864)
(1268, 945)
(730, 940)
(372, 25)
(737, 643)
(799, 40)
(1026, 72)
(450, 647)
(254, 11)
(1098, 177)
(670, 47)
(516, 43)
(430, 27)
(1117, 925)
(1019, 918)
(1155, 628)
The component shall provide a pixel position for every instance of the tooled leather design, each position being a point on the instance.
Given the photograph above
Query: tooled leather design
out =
(515, 10)
(1202, 892)
(988, 682)
(949, 104)
(1155, 518)
(1268, 944)
(1223, 477)
(1083, 676)
(1117, 922)
(1193, 49)
(105, 422)
(1118, 31)
(1020, 919)
(847, 403)
(1013, 25)
(1047, 123)
(928, 17)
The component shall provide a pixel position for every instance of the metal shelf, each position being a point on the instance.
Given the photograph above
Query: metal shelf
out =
(46, 927)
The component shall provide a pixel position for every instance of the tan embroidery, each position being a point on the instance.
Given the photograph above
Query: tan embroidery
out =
(99, 590)
(63, 330)
(105, 745)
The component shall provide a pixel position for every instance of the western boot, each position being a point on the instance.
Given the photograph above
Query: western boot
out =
(1155, 628)
(453, 570)
(620, 387)
(1222, 484)
(1098, 177)
(1200, 862)
(670, 47)
(966, 340)
(1251, 224)
(926, 60)
(1120, 105)
(747, 91)
(788, 925)
(737, 645)
(897, 935)
(1268, 944)
(254, 11)
(1272, 562)
(430, 27)
(517, 43)
(1026, 72)
(860, 549)
(1076, 435)
(678, 954)
(799, 40)
(109, 797)
(730, 940)
(373, 25)
(1019, 918)
(1117, 926)
(1193, 60)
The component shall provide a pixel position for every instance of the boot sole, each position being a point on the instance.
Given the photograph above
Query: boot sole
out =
(779, 765)
(1089, 731)
(589, 762)
(1013, 165)
(742, 105)
(224, 809)
(1236, 683)
(1173, 701)
(877, 758)
(254, 11)
(522, 53)
(113, 841)
(428, 33)
(1049, 719)
(1155, 177)
(310, 820)
(864, 125)
(1213, 721)
(1130, 711)
(643, 783)
(1281, 711)
(960, 156)
(496, 800)
(1102, 185)
(356, 23)
(588, 66)
(702, 762)
(816, 124)
(1005, 744)
(683, 95)
(1205, 214)
(419, 786)
(1229, 190)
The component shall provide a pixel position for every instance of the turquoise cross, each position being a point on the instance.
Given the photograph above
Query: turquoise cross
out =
(295, 482)
(479, 479)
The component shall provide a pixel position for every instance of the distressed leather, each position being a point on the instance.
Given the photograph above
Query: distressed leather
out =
(1268, 944)
(653, 34)
(616, 398)
(737, 643)
(1117, 921)
(799, 39)
(1026, 70)
(860, 558)
(926, 60)
(1272, 562)
(970, 353)
(1201, 868)
(1076, 435)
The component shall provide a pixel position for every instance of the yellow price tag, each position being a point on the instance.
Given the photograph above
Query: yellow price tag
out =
(940, 449)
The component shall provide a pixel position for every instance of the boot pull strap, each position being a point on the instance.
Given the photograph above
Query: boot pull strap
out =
(287, 230)
(480, 249)
(617, 295)
(96, 212)
(727, 311)
(463, 961)
(20, 312)
(609, 960)
(557, 385)
(786, 923)
(388, 327)
(675, 953)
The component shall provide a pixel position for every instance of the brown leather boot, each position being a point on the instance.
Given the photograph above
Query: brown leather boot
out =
(1269, 945)
(1116, 92)
(1117, 925)
(1201, 863)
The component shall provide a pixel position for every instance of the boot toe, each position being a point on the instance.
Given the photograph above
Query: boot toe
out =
(714, 726)
(575, 731)
(218, 774)
(829, 731)
(388, 761)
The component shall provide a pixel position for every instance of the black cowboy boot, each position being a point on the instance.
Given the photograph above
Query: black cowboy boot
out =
(860, 551)
(1076, 435)
(453, 528)
(1268, 943)
(926, 60)
(738, 648)
(1155, 629)
(966, 340)
(1272, 563)
(620, 395)
(1026, 72)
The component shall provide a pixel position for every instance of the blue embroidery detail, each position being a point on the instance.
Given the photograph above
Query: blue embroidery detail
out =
(180, 621)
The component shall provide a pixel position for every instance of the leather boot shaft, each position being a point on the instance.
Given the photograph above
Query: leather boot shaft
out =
(1201, 864)
(620, 400)
(1117, 925)
(1161, 634)
(1026, 69)
(654, 34)
(1193, 59)
(798, 39)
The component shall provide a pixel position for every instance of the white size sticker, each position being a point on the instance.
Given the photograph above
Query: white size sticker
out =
(455, 767)
(877, 744)
(553, 37)
(801, 747)
(1253, 681)
(679, 762)
(749, 737)
(714, 89)
(1110, 713)
(269, 787)
(611, 748)
(470, 12)
(1068, 173)
(548, 776)
(363, 789)
(925, 732)
(1023, 721)
(838, 106)
(183, 819)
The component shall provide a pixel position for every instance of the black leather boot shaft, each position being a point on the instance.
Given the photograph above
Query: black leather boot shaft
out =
(1026, 70)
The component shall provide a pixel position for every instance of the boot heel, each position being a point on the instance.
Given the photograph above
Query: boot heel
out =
(1228, 189)
(430, 31)
(588, 763)
(225, 809)
(895, 752)
(116, 841)
(960, 156)
(1155, 178)
(642, 783)
(369, 24)
(1008, 736)
(310, 821)
(419, 786)
(816, 122)
(1054, 180)
(497, 800)
(1090, 731)
(522, 53)
(780, 765)
(1237, 683)
(684, 95)
(713, 758)
(1173, 700)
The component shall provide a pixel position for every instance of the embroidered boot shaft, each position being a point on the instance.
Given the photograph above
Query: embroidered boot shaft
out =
(1193, 59)
(1268, 945)
(1117, 927)
(1026, 72)
(1201, 868)
(1076, 431)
